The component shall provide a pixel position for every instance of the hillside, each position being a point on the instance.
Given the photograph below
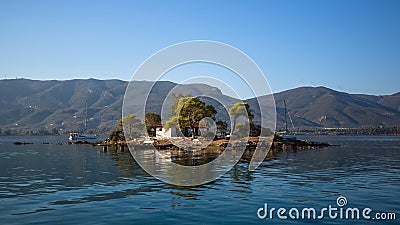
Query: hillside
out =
(323, 107)
(31, 105)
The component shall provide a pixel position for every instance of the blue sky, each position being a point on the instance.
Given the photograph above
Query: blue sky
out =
(350, 46)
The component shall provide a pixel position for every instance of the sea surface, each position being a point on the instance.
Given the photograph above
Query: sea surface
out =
(56, 183)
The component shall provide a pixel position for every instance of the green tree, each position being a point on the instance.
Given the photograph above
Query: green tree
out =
(176, 99)
(151, 120)
(188, 111)
(118, 134)
(221, 126)
(194, 110)
(173, 122)
(243, 109)
(237, 110)
(131, 125)
(242, 129)
(119, 127)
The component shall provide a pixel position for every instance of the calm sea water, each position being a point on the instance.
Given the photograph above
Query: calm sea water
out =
(76, 184)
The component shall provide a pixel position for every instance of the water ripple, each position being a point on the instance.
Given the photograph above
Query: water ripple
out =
(81, 184)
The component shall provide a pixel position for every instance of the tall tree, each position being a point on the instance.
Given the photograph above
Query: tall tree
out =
(221, 126)
(240, 109)
(176, 98)
(118, 134)
(151, 120)
(189, 111)
(132, 125)
(194, 110)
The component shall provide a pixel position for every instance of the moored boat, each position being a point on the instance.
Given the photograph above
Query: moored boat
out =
(80, 137)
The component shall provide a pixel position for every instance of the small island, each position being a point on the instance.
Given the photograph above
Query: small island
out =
(196, 133)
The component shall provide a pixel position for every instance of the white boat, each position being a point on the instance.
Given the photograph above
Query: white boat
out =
(74, 136)
(80, 137)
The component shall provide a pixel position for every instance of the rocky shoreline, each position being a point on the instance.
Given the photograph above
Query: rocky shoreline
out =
(279, 144)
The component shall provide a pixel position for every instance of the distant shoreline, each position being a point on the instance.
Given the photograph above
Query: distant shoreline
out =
(373, 130)
(364, 131)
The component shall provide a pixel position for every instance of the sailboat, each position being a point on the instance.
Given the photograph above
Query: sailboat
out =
(285, 134)
(75, 136)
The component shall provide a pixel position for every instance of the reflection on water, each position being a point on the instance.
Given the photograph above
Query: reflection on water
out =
(74, 184)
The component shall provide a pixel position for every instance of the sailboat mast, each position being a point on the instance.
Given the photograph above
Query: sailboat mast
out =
(286, 129)
(85, 115)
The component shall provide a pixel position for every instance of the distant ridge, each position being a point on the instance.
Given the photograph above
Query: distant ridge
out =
(324, 107)
(28, 105)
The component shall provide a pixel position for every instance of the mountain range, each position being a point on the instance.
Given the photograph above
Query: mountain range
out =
(32, 105)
